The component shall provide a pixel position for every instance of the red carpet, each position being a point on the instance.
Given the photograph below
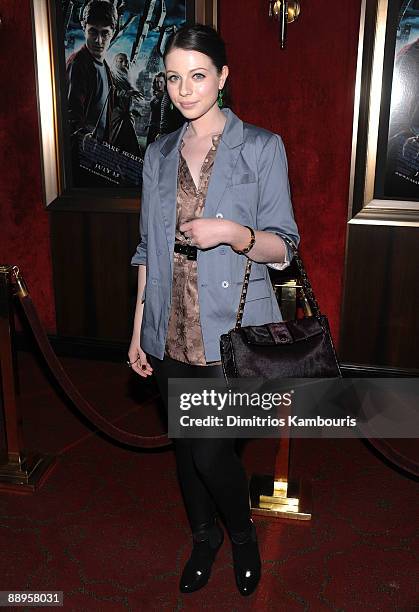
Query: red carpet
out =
(109, 529)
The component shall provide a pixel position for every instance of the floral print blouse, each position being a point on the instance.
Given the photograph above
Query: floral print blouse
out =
(184, 337)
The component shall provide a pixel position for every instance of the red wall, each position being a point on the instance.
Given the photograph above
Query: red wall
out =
(304, 93)
(24, 229)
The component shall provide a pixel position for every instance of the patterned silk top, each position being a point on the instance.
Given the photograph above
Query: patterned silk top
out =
(184, 337)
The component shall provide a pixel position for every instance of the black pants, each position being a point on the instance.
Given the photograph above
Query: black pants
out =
(210, 473)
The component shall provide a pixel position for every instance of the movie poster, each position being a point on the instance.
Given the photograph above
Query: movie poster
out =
(116, 99)
(402, 167)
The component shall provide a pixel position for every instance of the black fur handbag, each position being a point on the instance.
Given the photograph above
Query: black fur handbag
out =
(288, 349)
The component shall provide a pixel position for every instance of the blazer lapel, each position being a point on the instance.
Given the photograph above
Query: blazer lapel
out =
(168, 175)
(228, 153)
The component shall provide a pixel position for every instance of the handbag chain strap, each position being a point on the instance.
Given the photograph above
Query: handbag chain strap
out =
(307, 288)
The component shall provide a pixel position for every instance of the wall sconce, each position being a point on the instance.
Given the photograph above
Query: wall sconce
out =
(286, 11)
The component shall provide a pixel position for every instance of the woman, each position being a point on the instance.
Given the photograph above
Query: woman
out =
(158, 86)
(205, 187)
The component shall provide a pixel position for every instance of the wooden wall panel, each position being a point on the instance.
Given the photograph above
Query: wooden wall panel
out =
(94, 282)
(381, 297)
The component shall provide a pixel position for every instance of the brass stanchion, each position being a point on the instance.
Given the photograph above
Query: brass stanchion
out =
(279, 495)
(20, 470)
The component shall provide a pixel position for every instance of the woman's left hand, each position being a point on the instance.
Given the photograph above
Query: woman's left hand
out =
(207, 233)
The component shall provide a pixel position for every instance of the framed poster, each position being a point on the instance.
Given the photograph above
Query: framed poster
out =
(384, 186)
(102, 94)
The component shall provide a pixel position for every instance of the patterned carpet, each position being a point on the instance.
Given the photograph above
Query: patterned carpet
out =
(109, 529)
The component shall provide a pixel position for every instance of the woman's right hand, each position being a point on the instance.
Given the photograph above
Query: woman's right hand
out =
(138, 359)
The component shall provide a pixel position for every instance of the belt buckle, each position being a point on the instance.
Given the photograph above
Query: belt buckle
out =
(190, 252)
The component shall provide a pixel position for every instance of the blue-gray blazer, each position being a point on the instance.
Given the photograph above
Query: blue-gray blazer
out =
(249, 185)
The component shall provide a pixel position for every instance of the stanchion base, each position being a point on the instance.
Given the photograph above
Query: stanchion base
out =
(27, 474)
(280, 499)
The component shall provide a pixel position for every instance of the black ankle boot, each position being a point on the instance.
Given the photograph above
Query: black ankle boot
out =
(246, 559)
(207, 540)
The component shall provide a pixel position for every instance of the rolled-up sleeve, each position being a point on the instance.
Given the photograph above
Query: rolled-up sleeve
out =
(140, 255)
(275, 212)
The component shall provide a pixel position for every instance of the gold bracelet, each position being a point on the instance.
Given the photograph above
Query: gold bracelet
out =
(251, 243)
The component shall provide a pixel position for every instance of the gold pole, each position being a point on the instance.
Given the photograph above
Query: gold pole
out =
(20, 470)
(279, 495)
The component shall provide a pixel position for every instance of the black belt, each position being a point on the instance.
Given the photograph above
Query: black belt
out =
(186, 249)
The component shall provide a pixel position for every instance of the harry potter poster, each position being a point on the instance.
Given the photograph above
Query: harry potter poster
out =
(115, 95)
(402, 167)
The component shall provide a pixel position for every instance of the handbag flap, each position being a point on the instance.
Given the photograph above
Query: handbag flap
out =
(300, 329)
(282, 333)
(258, 334)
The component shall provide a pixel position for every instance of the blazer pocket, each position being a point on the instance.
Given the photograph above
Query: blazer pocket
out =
(242, 179)
(257, 289)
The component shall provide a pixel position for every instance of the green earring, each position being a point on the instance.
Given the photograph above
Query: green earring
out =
(171, 106)
(220, 98)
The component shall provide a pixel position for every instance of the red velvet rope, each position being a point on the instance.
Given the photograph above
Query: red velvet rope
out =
(74, 394)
